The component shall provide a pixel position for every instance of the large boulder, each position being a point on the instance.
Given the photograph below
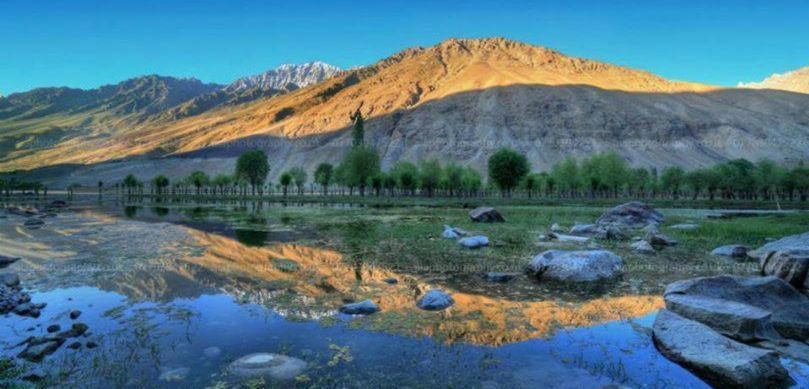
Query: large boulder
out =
(719, 361)
(435, 300)
(576, 266)
(790, 265)
(486, 215)
(633, 214)
(279, 367)
(792, 242)
(754, 308)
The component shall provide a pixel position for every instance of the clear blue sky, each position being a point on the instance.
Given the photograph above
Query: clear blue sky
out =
(85, 44)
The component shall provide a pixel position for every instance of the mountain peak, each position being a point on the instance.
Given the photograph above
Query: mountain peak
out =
(793, 81)
(287, 77)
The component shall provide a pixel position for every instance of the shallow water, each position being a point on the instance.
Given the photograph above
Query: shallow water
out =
(159, 285)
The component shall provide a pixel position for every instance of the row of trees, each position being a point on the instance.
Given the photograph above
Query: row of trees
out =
(13, 184)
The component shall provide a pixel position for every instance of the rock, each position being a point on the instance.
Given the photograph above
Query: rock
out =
(174, 375)
(731, 250)
(58, 204)
(435, 300)
(650, 229)
(91, 345)
(791, 266)
(9, 279)
(557, 228)
(685, 226)
(576, 266)
(474, 242)
(75, 314)
(498, 277)
(391, 281)
(212, 352)
(584, 229)
(33, 223)
(486, 215)
(792, 242)
(452, 232)
(568, 238)
(633, 214)
(787, 347)
(611, 233)
(741, 307)
(660, 240)
(6, 260)
(280, 367)
(54, 328)
(76, 330)
(642, 247)
(365, 307)
(720, 361)
(38, 350)
(74, 346)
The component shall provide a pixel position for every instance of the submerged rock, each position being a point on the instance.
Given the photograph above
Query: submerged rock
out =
(633, 214)
(791, 266)
(174, 375)
(486, 215)
(731, 250)
(435, 300)
(280, 367)
(212, 352)
(34, 223)
(366, 307)
(474, 242)
(37, 351)
(74, 314)
(6, 260)
(792, 242)
(576, 266)
(719, 361)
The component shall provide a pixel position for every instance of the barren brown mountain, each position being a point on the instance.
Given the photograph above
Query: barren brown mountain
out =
(459, 100)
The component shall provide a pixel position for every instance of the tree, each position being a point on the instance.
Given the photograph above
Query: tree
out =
(799, 180)
(471, 181)
(672, 180)
(452, 178)
(697, 181)
(285, 180)
(160, 183)
(323, 176)
(253, 167)
(361, 163)
(199, 179)
(130, 182)
(100, 187)
(566, 176)
(430, 175)
(378, 182)
(506, 169)
(358, 129)
(221, 182)
(531, 183)
(768, 177)
(299, 178)
(406, 175)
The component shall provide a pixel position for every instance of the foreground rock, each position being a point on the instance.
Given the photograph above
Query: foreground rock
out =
(14, 299)
(486, 215)
(731, 251)
(435, 300)
(366, 307)
(279, 367)
(744, 308)
(719, 361)
(660, 240)
(576, 266)
(792, 242)
(474, 242)
(9, 280)
(37, 348)
(633, 214)
(791, 266)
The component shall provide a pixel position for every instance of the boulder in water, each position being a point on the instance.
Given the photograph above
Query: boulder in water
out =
(716, 359)
(365, 307)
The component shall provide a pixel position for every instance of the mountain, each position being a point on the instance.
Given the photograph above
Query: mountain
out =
(287, 77)
(280, 80)
(459, 101)
(794, 81)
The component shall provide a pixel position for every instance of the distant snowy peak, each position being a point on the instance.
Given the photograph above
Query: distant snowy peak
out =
(287, 77)
(794, 81)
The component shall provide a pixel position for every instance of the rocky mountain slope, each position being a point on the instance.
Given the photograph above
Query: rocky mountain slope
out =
(460, 100)
(794, 81)
(287, 77)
